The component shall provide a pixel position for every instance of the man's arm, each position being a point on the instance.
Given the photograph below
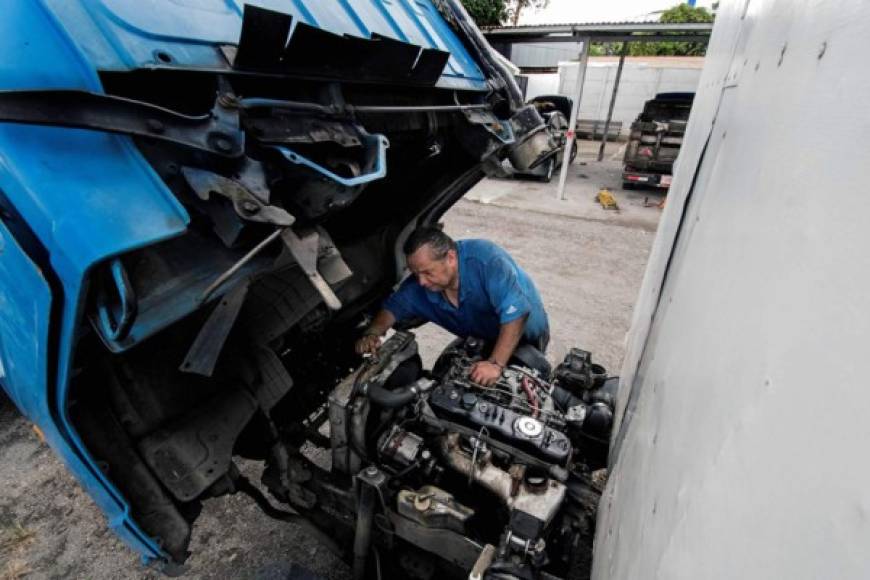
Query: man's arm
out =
(509, 335)
(513, 309)
(371, 338)
(400, 305)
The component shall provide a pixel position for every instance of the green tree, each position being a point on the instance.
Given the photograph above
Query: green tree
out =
(678, 13)
(486, 12)
(515, 7)
(686, 13)
(500, 12)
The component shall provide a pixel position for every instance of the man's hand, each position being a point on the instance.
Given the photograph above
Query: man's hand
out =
(368, 344)
(485, 373)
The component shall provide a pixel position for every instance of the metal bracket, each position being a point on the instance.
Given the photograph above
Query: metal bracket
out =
(376, 150)
(206, 348)
(305, 250)
(501, 130)
(373, 477)
(116, 325)
(247, 205)
(487, 555)
(216, 133)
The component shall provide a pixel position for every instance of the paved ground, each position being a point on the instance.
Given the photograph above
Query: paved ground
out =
(585, 178)
(588, 264)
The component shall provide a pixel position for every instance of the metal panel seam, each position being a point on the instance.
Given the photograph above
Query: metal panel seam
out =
(624, 421)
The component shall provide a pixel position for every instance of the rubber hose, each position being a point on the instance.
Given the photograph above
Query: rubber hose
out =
(565, 399)
(390, 399)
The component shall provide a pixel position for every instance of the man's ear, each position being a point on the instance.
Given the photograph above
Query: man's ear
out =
(452, 257)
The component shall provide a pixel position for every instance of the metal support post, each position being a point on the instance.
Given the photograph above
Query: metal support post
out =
(612, 100)
(572, 122)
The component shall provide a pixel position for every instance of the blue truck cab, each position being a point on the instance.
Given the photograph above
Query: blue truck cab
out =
(201, 202)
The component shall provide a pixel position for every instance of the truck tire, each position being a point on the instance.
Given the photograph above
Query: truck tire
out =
(551, 169)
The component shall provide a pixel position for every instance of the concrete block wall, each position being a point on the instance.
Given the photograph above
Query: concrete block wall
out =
(640, 82)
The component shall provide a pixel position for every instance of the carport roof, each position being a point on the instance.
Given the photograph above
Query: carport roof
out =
(602, 31)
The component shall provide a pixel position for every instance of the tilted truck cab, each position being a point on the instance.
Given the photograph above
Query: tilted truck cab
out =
(200, 205)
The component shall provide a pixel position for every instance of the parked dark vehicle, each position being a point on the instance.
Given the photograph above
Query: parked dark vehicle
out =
(655, 140)
(556, 110)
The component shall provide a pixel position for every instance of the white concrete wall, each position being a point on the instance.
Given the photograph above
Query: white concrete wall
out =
(542, 84)
(543, 54)
(640, 82)
(744, 413)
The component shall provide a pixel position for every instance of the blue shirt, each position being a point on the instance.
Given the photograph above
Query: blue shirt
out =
(493, 290)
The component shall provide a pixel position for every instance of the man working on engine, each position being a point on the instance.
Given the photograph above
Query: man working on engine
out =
(470, 288)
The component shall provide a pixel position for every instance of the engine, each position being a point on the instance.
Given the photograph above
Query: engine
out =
(492, 479)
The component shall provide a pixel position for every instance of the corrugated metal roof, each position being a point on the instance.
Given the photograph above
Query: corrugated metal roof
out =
(641, 24)
(601, 31)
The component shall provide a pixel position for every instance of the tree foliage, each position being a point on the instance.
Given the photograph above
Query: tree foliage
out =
(486, 12)
(500, 12)
(679, 13)
(507, 12)
(515, 7)
(686, 13)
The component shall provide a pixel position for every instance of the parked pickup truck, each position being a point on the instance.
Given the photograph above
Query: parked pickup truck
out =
(655, 140)
(201, 206)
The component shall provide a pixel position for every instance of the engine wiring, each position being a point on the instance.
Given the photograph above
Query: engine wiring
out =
(533, 400)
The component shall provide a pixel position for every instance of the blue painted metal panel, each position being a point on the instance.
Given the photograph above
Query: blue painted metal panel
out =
(25, 305)
(86, 196)
(89, 196)
(127, 34)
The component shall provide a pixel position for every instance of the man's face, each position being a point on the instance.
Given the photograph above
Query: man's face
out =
(435, 275)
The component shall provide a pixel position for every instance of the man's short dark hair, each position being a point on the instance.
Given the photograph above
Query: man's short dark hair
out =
(439, 242)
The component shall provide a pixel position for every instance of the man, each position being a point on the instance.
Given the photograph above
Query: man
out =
(470, 288)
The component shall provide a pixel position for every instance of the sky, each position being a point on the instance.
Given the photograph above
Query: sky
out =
(563, 11)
